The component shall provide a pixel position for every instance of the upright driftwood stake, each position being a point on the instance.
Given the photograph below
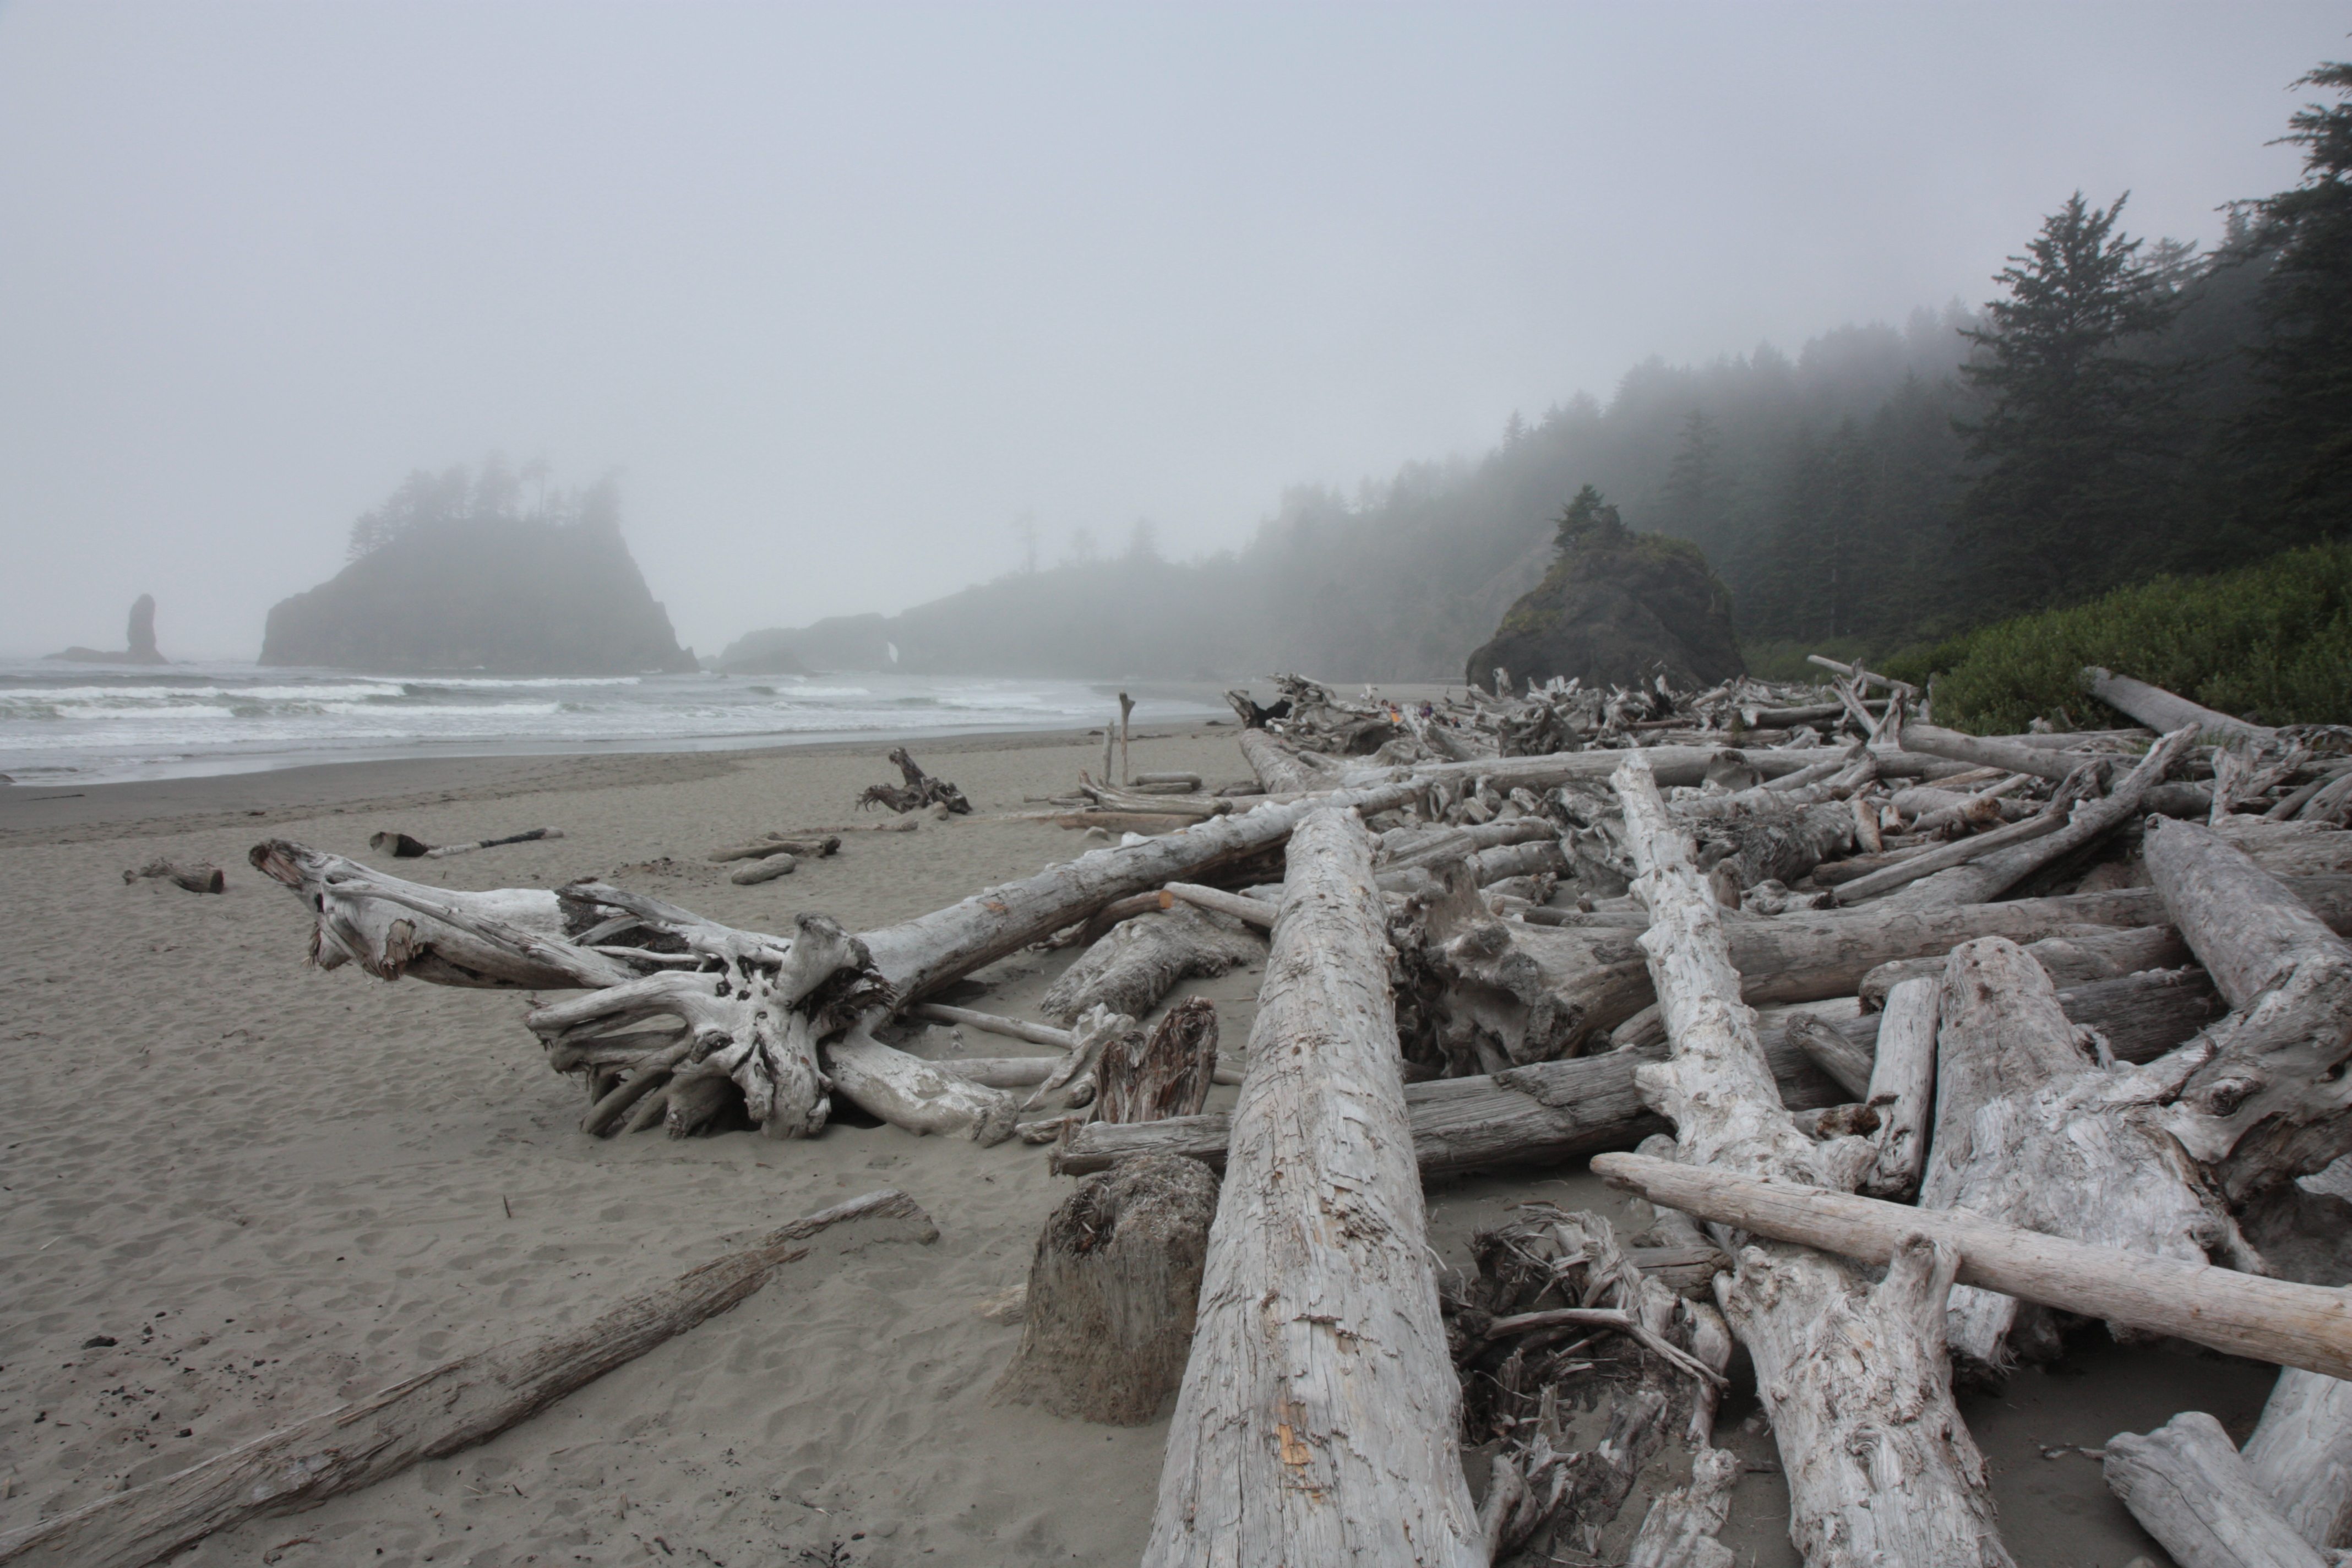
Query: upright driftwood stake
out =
(1319, 1415)
(1112, 1293)
(1881, 1469)
(1903, 1088)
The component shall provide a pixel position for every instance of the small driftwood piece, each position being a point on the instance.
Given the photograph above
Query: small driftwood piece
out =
(1113, 1290)
(2031, 1133)
(2161, 710)
(201, 876)
(437, 1412)
(2187, 1486)
(1143, 959)
(1249, 911)
(401, 846)
(1149, 1078)
(1319, 1415)
(807, 848)
(919, 790)
(2276, 1320)
(2301, 1456)
(1881, 1468)
(2272, 1102)
(765, 870)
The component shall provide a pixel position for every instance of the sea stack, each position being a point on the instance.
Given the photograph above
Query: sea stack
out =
(141, 638)
(503, 596)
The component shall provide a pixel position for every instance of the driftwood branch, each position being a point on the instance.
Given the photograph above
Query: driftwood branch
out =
(2276, 1320)
(437, 1412)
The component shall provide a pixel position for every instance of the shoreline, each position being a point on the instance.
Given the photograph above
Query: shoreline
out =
(144, 807)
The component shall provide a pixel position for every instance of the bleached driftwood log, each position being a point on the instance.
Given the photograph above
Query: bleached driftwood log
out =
(2030, 1133)
(1249, 911)
(2161, 710)
(2276, 1320)
(199, 877)
(1881, 1469)
(1551, 1111)
(2187, 1486)
(1680, 1530)
(2272, 1102)
(1284, 769)
(1112, 1292)
(1989, 875)
(767, 868)
(2068, 960)
(1318, 1412)
(2016, 754)
(2301, 1456)
(1143, 959)
(1902, 1087)
(437, 1412)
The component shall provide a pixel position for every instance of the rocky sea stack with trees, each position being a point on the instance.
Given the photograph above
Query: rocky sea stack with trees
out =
(456, 572)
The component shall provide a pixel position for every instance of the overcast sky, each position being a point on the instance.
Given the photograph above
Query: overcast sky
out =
(845, 292)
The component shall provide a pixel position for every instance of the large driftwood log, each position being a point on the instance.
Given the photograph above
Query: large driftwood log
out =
(1143, 959)
(2187, 1486)
(2276, 1320)
(2301, 1456)
(437, 1412)
(1881, 1469)
(2161, 710)
(2068, 960)
(1317, 1418)
(1113, 1287)
(2030, 1133)
(2272, 1102)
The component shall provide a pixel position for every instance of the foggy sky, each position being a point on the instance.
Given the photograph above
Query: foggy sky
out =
(845, 292)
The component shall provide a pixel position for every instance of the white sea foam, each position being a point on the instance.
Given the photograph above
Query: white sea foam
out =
(77, 725)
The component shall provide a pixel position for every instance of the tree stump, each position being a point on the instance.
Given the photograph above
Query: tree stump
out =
(1112, 1294)
(1168, 1073)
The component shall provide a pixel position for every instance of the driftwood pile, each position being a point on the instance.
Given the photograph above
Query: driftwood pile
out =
(1942, 1045)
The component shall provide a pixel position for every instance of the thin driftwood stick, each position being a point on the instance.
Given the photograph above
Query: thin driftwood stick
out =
(1319, 1411)
(1250, 911)
(2276, 1320)
(1836, 1358)
(2016, 755)
(990, 1022)
(437, 1412)
(2187, 1485)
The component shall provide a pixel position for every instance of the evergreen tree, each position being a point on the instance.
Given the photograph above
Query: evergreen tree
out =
(2070, 449)
(1587, 518)
(2299, 428)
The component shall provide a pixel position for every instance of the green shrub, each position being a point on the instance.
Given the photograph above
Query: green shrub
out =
(2271, 643)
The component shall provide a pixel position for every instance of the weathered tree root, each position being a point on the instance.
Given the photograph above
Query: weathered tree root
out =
(920, 790)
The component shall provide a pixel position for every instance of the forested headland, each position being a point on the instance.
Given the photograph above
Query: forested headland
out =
(2121, 407)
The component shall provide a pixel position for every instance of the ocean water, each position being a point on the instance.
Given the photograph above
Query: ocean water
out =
(62, 723)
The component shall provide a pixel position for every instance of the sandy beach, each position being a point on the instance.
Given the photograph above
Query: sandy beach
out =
(239, 1189)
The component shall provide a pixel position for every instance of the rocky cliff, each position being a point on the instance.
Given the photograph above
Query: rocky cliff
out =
(508, 596)
(1616, 607)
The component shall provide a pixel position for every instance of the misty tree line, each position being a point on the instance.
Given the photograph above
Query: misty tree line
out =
(493, 492)
(2122, 407)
